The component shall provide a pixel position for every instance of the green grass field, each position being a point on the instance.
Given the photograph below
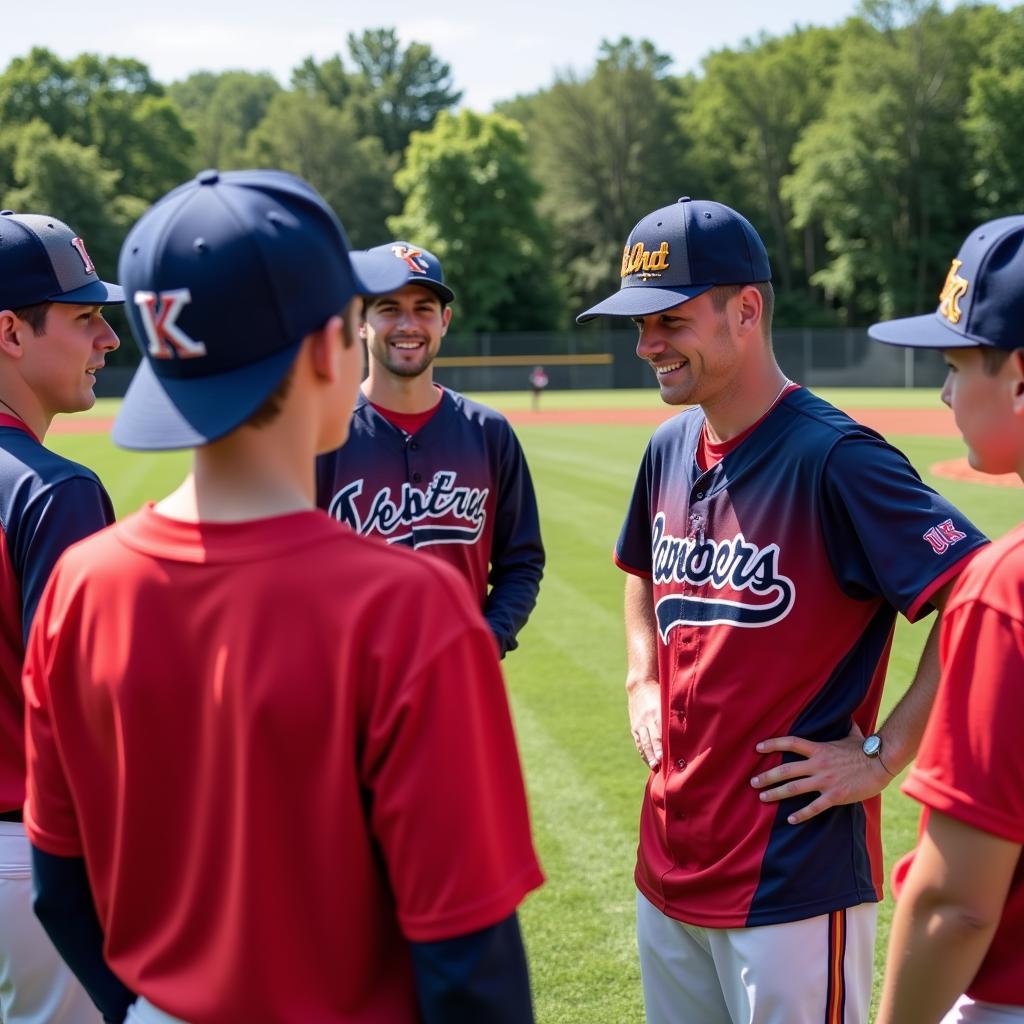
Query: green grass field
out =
(584, 777)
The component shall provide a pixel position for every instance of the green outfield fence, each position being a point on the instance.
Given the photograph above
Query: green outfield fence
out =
(597, 358)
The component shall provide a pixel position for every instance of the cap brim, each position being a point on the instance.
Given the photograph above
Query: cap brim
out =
(638, 300)
(163, 414)
(442, 291)
(927, 331)
(376, 273)
(95, 293)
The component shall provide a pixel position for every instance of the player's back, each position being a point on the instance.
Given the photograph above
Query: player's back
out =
(291, 756)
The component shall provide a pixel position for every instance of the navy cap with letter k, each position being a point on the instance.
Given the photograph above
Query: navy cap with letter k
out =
(223, 279)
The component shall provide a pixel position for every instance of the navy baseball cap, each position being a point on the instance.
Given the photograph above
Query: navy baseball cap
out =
(43, 260)
(224, 277)
(681, 251)
(982, 298)
(422, 267)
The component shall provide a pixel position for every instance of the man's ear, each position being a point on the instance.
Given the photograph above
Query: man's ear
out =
(1016, 368)
(325, 346)
(446, 319)
(11, 329)
(749, 309)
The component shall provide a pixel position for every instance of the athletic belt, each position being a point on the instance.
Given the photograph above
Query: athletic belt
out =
(11, 815)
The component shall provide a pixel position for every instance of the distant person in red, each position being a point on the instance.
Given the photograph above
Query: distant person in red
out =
(956, 951)
(272, 775)
(538, 382)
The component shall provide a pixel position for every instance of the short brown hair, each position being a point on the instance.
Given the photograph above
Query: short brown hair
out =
(722, 293)
(994, 359)
(34, 316)
(271, 407)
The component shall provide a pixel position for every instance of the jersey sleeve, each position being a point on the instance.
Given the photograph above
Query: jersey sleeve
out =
(54, 519)
(633, 550)
(50, 818)
(517, 553)
(445, 792)
(887, 533)
(971, 762)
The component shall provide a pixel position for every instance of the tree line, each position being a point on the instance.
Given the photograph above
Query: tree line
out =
(862, 153)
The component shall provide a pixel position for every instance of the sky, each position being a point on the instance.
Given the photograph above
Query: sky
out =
(495, 51)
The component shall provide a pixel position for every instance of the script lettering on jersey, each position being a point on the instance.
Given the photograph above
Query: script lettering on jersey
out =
(943, 536)
(413, 517)
(159, 315)
(734, 564)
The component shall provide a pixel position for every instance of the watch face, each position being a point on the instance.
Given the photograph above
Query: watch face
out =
(872, 745)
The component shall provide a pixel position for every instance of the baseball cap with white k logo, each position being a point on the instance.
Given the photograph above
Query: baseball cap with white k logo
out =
(224, 277)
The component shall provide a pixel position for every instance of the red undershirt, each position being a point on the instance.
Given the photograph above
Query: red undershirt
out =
(410, 422)
(709, 453)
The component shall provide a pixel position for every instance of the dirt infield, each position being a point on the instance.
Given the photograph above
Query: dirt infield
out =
(912, 422)
(916, 422)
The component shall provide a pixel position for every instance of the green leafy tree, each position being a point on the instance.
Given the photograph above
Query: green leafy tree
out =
(606, 149)
(993, 125)
(391, 91)
(303, 134)
(884, 169)
(110, 103)
(470, 199)
(222, 110)
(744, 117)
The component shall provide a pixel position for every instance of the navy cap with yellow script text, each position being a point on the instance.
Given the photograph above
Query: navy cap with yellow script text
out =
(224, 277)
(681, 251)
(982, 298)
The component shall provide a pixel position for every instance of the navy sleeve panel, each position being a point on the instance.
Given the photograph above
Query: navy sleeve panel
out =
(62, 900)
(478, 977)
(52, 520)
(517, 553)
(887, 533)
(633, 550)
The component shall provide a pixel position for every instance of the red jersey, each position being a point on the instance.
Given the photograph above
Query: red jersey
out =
(971, 762)
(283, 750)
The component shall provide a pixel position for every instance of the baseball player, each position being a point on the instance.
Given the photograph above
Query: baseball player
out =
(960, 916)
(243, 797)
(426, 467)
(538, 382)
(768, 546)
(53, 340)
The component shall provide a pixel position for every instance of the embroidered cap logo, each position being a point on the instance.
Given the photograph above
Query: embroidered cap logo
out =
(413, 258)
(952, 292)
(159, 320)
(79, 247)
(639, 258)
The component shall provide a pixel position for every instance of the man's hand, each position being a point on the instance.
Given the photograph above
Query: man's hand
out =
(645, 719)
(840, 772)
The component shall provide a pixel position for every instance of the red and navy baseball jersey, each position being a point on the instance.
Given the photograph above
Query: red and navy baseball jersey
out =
(458, 489)
(971, 763)
(777, 575)
(263, 783)
(46, 503)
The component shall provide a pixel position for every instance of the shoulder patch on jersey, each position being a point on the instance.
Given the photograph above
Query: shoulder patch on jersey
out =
(943, 537)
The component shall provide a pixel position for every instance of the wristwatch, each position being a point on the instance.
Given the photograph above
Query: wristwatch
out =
(872, 745)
